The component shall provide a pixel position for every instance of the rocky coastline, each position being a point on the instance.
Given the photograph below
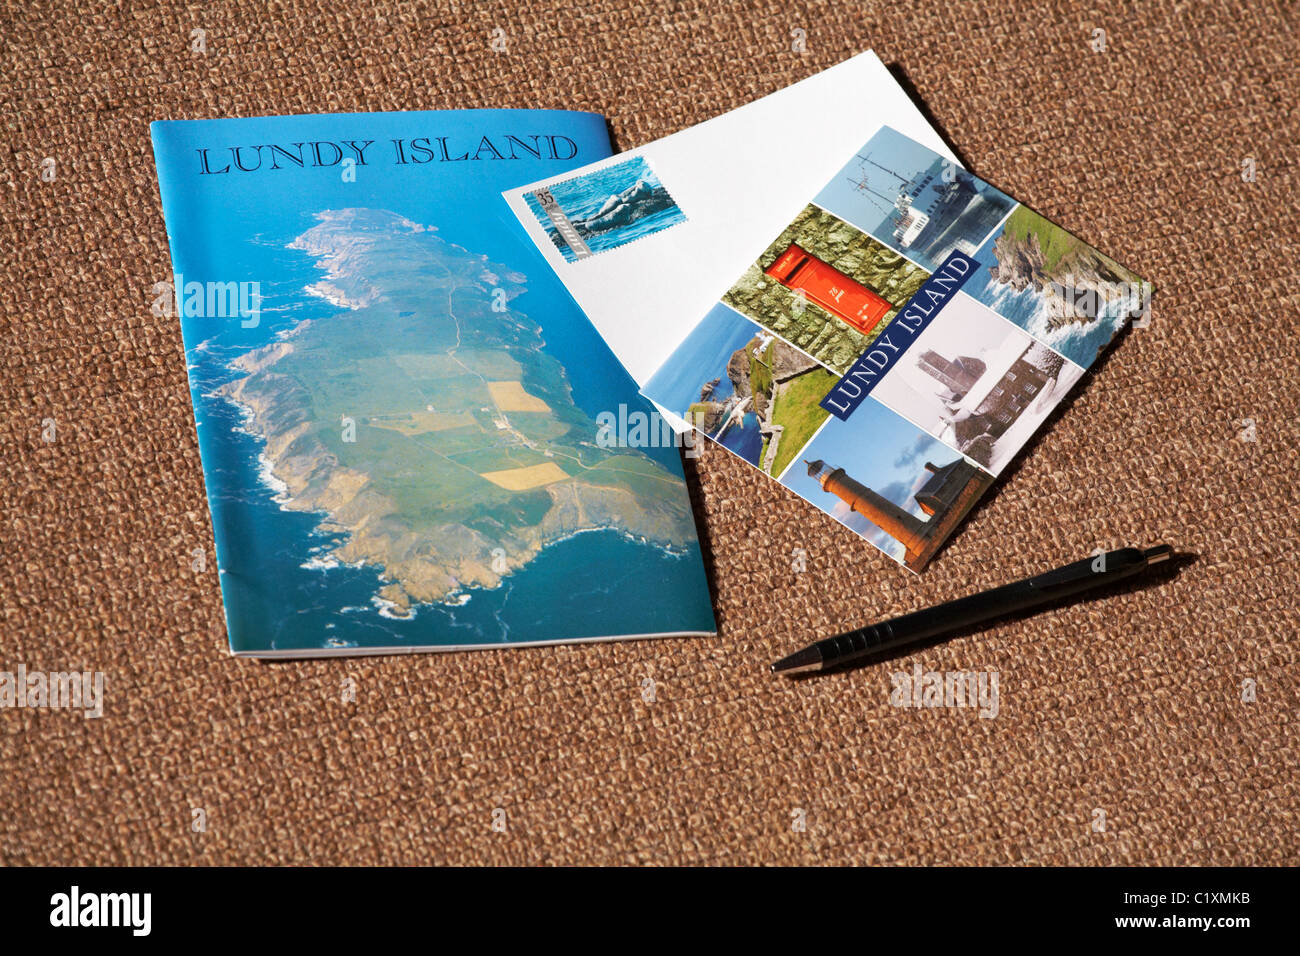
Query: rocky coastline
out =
(782, 362)
(422, 562)
(1075, 288)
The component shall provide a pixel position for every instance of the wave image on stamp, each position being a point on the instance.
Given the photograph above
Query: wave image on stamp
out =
(604, 209)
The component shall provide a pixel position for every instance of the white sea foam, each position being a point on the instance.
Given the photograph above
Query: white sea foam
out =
(341, 243)
(293, 330)
(387, 608)
(335, 296)
(666, 549)
(267, 476)
(1029, 309)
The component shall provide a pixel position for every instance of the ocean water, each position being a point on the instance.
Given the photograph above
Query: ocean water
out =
(1029, 309)
(283, 591)
(635, 230)
(700, 359)
(746, 442)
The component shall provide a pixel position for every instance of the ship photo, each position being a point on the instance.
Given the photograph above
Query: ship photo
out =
(917, 202)
(931, 212)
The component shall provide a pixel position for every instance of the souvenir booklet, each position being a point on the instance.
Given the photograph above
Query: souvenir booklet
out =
(887, 350)
(404, 422)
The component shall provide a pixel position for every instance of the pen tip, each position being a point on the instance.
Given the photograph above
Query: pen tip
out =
(808, 659)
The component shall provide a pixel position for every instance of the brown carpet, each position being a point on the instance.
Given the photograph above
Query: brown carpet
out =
(1131, 705)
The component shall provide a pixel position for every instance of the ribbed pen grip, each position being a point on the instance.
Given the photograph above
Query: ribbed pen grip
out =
(859, 643)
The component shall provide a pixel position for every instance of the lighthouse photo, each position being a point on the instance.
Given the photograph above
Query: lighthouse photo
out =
(900, 488)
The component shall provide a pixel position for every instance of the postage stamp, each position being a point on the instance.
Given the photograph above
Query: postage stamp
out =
(604, 209)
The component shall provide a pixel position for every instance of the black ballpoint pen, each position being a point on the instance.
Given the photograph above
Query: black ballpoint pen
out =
(967, 612)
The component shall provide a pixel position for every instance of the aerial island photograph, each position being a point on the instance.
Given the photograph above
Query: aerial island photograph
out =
(422, 456)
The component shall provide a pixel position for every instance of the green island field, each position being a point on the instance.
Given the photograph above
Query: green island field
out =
(795, 407)
(1056, 244)
(439, 431)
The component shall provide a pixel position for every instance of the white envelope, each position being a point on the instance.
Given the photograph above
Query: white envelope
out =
(739, 179)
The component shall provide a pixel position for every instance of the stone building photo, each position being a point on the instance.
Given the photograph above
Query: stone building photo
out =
(977, 383)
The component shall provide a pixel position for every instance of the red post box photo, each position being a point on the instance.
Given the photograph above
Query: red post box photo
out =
(843, 297)
(826, 287)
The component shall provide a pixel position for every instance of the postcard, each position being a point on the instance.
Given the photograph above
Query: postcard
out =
(897, 343)
(403, 419)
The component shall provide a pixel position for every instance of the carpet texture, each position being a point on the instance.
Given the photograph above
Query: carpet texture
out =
(1131, 705)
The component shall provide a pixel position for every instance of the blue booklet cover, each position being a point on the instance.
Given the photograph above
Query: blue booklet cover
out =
(405, 423)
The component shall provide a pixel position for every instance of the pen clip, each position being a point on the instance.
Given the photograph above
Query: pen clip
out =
(1109, 562)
